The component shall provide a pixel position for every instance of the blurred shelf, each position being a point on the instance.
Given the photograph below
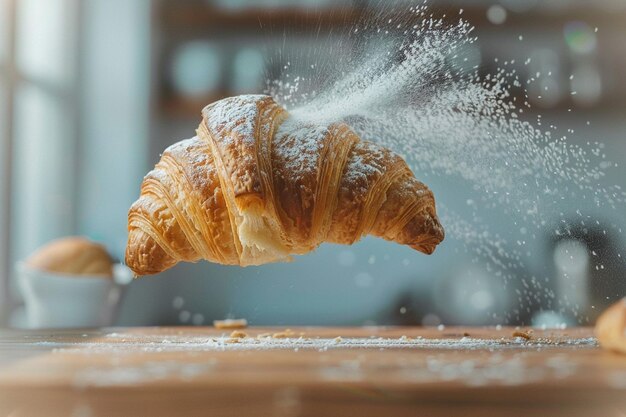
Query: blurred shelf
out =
(177, 22)
(199, 17)
(188, 107)
(196, 17)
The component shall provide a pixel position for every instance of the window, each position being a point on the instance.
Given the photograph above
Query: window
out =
(62, 61)
(42, 179)
(5, 129)
(38, 134)
(44, 40)
(4, 31)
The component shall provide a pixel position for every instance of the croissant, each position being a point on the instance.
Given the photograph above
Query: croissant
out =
(256, 185)
(611, 327)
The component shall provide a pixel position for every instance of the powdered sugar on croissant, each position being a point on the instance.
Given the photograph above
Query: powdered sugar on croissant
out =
(256, 186)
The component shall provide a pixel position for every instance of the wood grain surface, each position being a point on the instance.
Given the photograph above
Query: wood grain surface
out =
(370, 371)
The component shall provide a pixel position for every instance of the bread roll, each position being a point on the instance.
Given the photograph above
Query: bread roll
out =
(72, 256)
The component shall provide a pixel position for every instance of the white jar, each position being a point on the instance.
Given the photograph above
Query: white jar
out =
(55, 300)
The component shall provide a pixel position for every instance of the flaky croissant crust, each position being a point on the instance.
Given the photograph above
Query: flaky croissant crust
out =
(257, 185)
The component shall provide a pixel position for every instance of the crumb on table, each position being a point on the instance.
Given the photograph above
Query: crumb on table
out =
(524, 335)
(284, 334)
(230, 324)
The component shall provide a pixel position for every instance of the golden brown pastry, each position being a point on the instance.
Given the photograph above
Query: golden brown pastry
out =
(257, 185)
(611, 327)
(72, 256)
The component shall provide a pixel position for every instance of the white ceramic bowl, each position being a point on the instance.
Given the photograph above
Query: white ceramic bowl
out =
(56, 300)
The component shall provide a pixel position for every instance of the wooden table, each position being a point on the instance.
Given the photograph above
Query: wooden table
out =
(372, 371)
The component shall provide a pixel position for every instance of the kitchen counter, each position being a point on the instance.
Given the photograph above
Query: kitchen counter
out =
(312, 371)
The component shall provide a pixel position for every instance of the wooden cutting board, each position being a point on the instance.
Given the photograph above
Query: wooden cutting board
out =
(371, 371)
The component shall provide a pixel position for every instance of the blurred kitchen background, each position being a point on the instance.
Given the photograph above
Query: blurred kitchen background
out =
(92, 91)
